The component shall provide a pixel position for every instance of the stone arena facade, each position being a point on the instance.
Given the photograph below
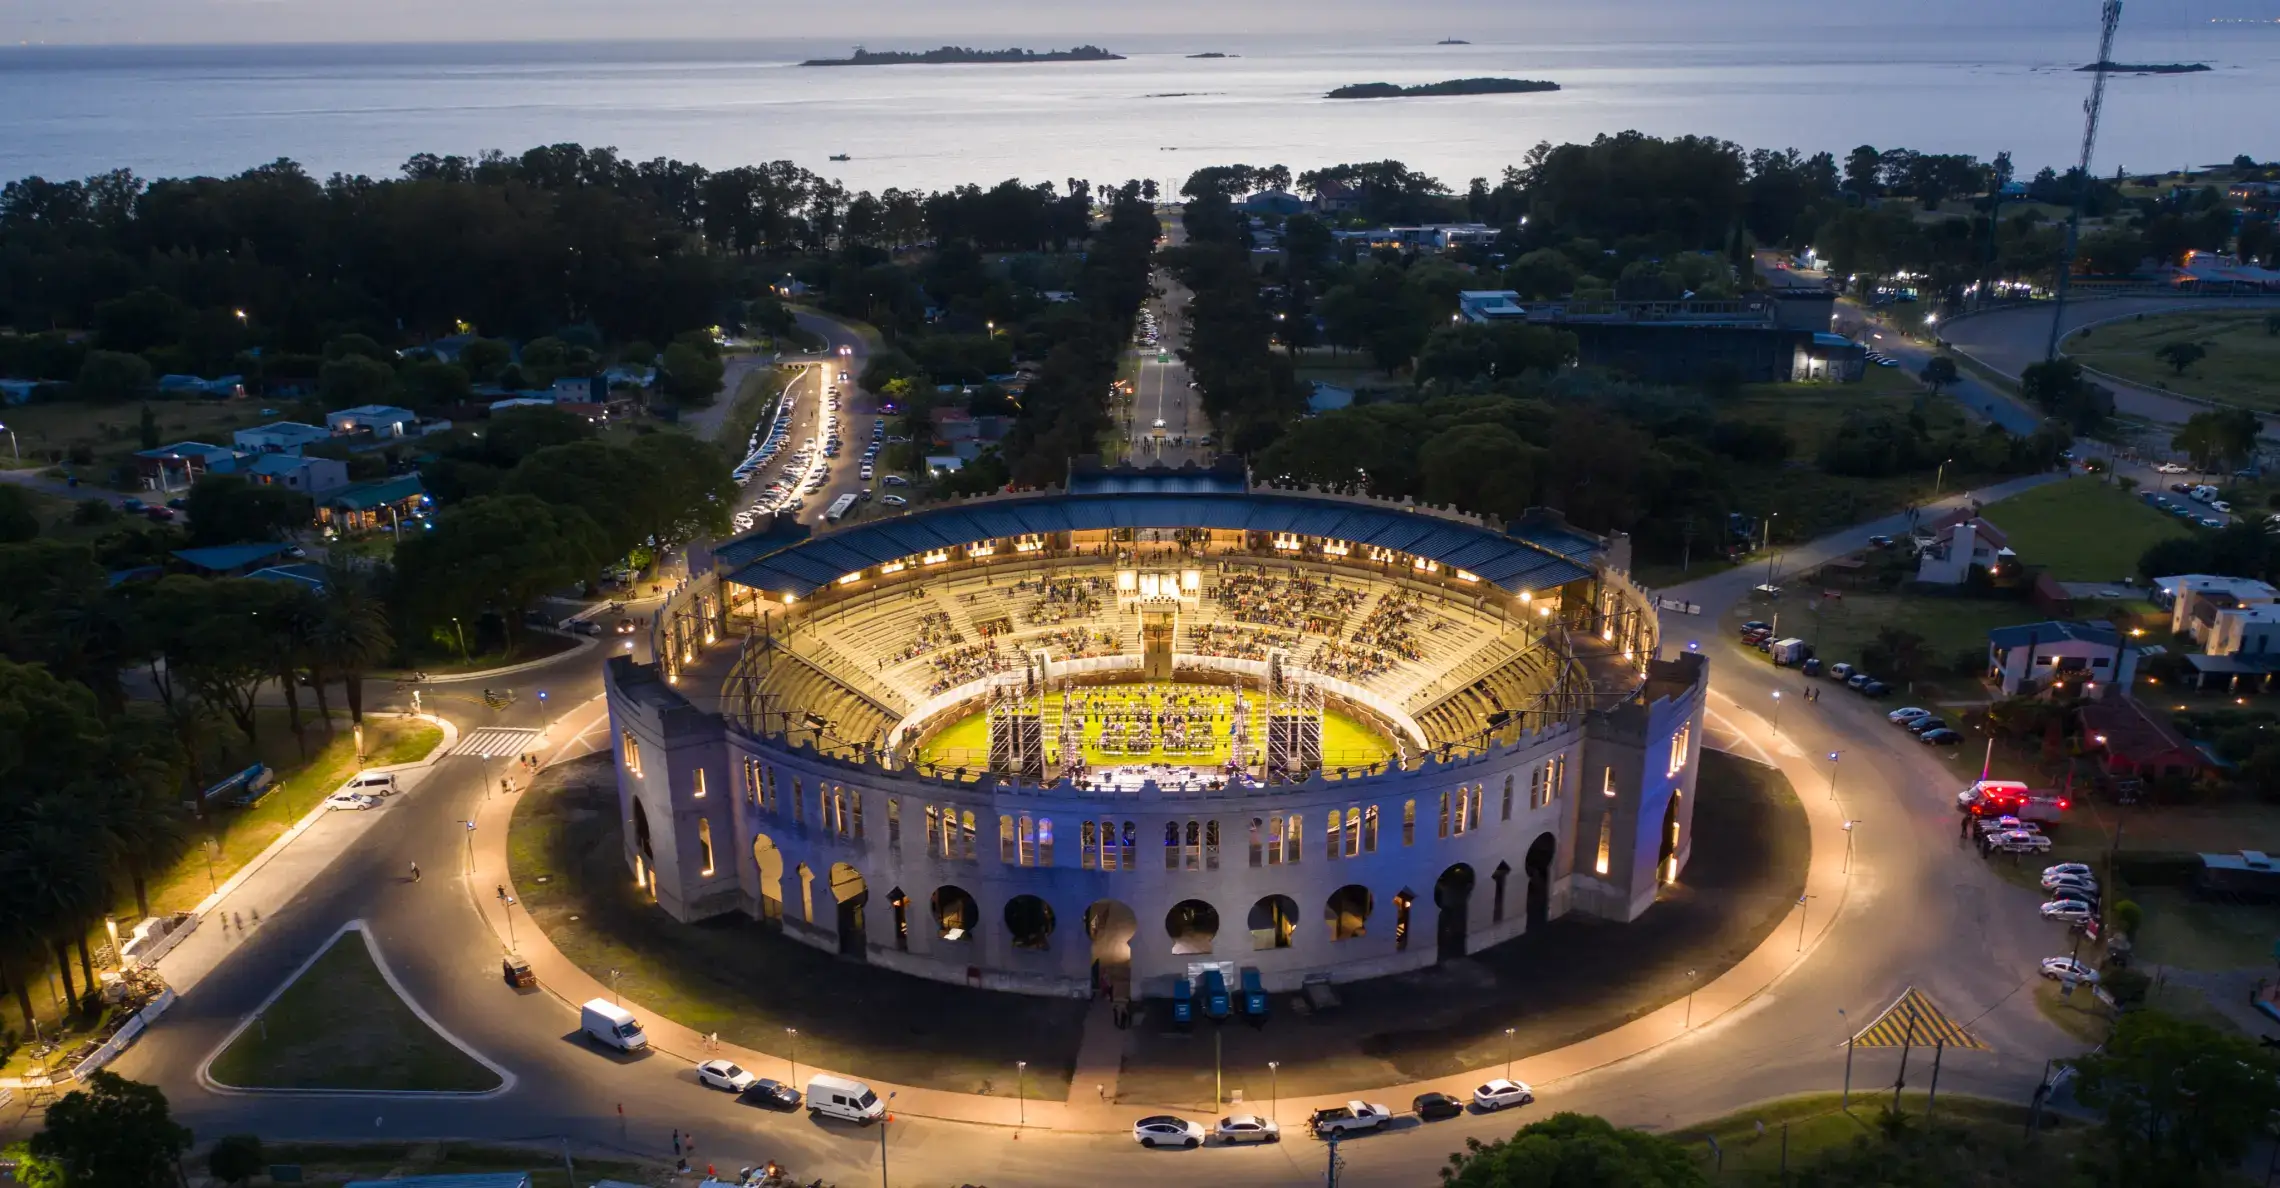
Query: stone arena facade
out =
(1546, 756)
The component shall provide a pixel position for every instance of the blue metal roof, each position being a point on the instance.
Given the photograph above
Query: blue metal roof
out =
(223, 558)
(1535, 553)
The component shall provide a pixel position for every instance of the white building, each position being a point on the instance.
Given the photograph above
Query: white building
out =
(379, 420)
(1491, 305)
(2030, 657)
(1953, 544)
(280, 437)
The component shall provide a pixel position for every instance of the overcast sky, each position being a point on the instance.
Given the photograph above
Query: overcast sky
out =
(1027, 22)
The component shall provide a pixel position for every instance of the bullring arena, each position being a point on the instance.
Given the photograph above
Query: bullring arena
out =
(1157, 721)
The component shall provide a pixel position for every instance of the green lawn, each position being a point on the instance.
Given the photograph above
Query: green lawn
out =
(1989, 1135)
(2242, 365)
(2082, 530)
(341, 1026)
(1810, 502)
(322, 1163)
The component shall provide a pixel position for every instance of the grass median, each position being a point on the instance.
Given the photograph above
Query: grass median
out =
(2240, 354)
(340, 1025)
(1779, 1141)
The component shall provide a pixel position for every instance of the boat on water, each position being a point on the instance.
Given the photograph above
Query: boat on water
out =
(841, 157)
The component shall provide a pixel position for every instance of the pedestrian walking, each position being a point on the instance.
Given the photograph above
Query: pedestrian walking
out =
(1102, 1090)
(415, 872)
(676, 1143)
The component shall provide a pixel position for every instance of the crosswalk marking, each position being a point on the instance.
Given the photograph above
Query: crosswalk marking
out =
(1914, 1019)
(490, 742)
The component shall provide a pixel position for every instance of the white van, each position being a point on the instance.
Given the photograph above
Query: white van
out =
(373, 783)
(611, 1026)
(838, 1097)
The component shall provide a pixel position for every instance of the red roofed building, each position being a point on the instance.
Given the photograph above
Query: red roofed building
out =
(2132, 740)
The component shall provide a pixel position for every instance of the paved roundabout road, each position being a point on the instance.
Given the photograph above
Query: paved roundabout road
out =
(1916, 909)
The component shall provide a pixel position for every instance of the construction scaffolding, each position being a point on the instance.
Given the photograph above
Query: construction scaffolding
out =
(1017, 724)
(1294, 722)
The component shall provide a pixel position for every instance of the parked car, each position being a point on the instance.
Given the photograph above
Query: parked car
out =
(355, 801)
(2083, 883)
(1927, 722)
(2062, 968)
(1502, 1094)
(2078, 869)
(1246, 1128)
(2068, 910)
(776, 1095)
(894, 500)
(1755, 625)
(1164, 1130)
(1435, 1106)
(1354, 1117)
(1881, 541)
(2019, 841)
(1842, 672)
(1940, 738)
(1874, 688)
(1854, 678)
(1906, 714)
(724, 1074)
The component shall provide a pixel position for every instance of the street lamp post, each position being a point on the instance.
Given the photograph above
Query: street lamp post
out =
(507, 909)
(461, 633)
(1274, 1091)
(1690, 975)
(1021, 1089)
(544, 724)
(883, 1122)
(1940, 476)
(470, 846)
(1777, 713)
(1508, 1052)
(614, 975)
(1833, 757)
(794, 1033)
(12, 447)
(1801, 909)
(1848, 846)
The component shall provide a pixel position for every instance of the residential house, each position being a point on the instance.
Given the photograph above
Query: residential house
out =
(373, 505)
(307, 474)
(2237, 623)
(1948, 548)
(280, 437)
(220, 387)
(1491, 305)
(2034, 656)
(235, 560)
(2132, 740)
(1274, 202)
(580, 389)
(2196, 600)
(379, 420)
(1336, 197)
(171, 467)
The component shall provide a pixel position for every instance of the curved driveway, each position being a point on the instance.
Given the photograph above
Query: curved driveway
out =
(1921, 910)
(2010, 340)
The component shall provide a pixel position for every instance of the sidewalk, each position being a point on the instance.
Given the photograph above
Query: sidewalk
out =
(1788, 946)
(263, 887)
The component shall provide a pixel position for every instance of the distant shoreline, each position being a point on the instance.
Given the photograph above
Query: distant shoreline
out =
(1454, 86)
(958, 55)
(2144, 67)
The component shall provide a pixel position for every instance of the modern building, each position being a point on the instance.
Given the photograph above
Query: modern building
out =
(379, 420)
(2091, 658)
(307, 474)
(782, 757)
(280, 437)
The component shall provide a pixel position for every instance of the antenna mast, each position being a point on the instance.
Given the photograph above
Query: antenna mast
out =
(2112, 17)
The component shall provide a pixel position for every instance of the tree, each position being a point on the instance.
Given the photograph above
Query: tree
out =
(350, 638)
(2058, 388)
(1897, 653)
(146, 430)
(2181, 1099)
(19, 520)
(236, 1158)
(2218, 438)
(2180, 354)
(112, 377)
(1939, 372)
(355, 380)
(1574, 1151)
(689, 376)
(485, 358)
(497, 553)
(226, 509)
(115, 1133)
(2127, 916)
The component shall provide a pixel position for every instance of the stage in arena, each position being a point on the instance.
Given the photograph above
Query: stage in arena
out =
(1155, 725)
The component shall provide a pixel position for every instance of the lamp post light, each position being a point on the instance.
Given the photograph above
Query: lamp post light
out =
(614, 976)
(794, 1033)
(507, 909)
(1777, 713)
(1848, 846)
(1801, 909)
(1021, 1089)
(461, 633)
(544, 724)
(360, 744)
(111, 925)
(1274, 1091)
(890, 1117)
(13, 448)
(470, 846)
(1508, 1052)
(1833, 757)
(1940, 476)
(1690, 976)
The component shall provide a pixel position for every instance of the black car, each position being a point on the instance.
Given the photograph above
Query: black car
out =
(1881, 541)
(1927, 722)
(1940, 738)
(1434, 1106)
(1756, 625)
(1874, 688)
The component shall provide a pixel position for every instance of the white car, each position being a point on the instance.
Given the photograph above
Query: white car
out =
(894, 500)
(2068, 910)
(895, 480)
(2064, 968)
(2066, 869)
(2172, 468)
(1907, 715)
(2070, 879)
(1159, 422)
(1246, 1128)
(724, 1074)
(351, 800)
(1500, 1093)
(2020, 841)
(1163, 1130)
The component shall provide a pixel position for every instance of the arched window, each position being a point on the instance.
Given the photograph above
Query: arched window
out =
(1258, 848)
(1194, 845)
(839, 811)
(1274, 841)
(934, 842)
(968, 831)
(855, 812)
(1369, 829)
(1171, 845)
(1211, 844)
(1353, 832)
(1131, 846)
(1028, 836)
(1330, 834)
(1477, 818)
(1044, 841)
(1408, 822)
(1507, 799)
(704, 845)
(1088, 836)
(1005, 840)
(1293, 845)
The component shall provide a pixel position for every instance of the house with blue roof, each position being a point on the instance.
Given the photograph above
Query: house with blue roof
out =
(236, 560)
(373, 505)
(311, 476)
(280, 437)
(2088, 658)
(171, 467)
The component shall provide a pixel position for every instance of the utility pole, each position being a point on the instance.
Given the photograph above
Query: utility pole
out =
(1907, 1042)
(2110, 18)
(1330, 1177)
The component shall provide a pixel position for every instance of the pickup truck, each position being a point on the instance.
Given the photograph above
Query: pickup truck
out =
(1354, 1117)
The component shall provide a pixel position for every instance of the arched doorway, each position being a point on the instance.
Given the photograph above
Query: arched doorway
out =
(1498, 876)
(1402, 901)
(645, 858)
(1452, 897)
(770, 860)
(901, 905)
(1348, 911)
(955, 916)
(1666, 861)
(1539, 867)
(1192, 925)
(1272, 920)
(1111, 926)
(1030, 921)
(849, 891)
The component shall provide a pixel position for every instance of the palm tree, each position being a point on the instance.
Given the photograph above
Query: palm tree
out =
(291, 625)
(142, 829)
(57, 868)
(352, 635)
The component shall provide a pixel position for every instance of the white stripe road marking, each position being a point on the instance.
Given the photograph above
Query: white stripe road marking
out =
(490, 742)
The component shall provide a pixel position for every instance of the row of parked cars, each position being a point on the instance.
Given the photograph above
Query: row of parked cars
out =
(1352, 1118)
(1928, 727)
(2073, 897)
(1797, 653)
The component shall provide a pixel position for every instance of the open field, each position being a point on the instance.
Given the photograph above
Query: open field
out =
(1810, 502)
(2082, 530)
(2242, 366)
(340, 1025)
(113, 431)
(1811, 1128)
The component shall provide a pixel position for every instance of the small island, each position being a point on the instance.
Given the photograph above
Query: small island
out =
(2145, 67)
(1208, 54)
(953, 55)
(1452, 41)
(1455, 86)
